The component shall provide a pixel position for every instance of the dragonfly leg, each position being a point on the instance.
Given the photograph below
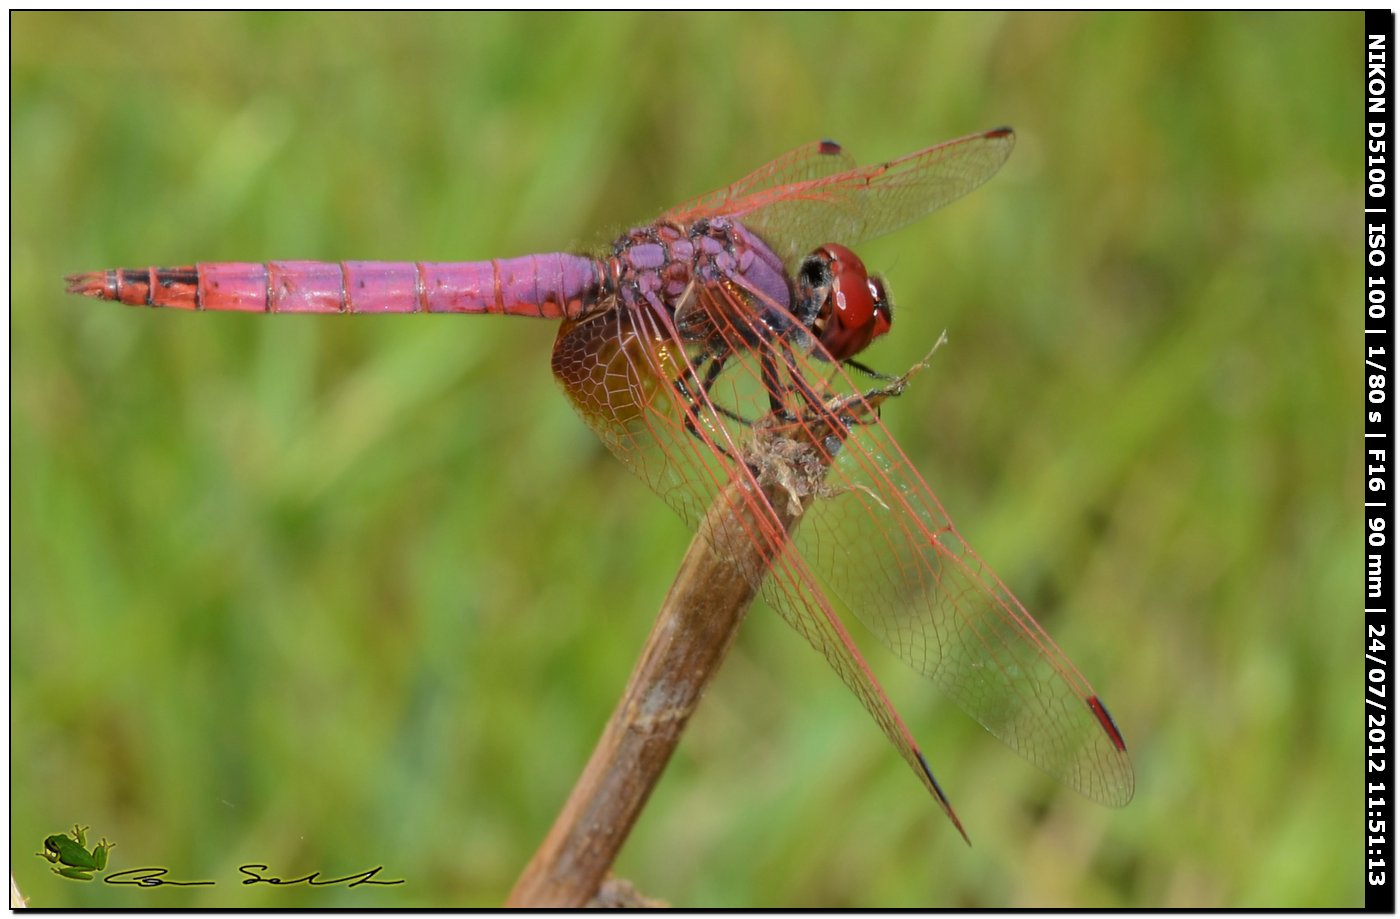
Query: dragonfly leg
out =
(864, 408)
(869, 371)
(778, 391)
(711, 374)
(693, 403)
(827, 418)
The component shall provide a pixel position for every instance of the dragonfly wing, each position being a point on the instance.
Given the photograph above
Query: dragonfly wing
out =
(619, 371)
(877, 543)
(864, 202)
(884, 549)
(809, 161)
(619, 376)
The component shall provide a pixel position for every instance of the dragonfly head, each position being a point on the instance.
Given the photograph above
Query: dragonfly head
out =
(843, 305)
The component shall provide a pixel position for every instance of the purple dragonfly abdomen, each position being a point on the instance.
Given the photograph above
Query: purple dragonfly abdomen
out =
(552, 286)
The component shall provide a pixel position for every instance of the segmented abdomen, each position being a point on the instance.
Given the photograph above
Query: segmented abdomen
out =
(553, 286)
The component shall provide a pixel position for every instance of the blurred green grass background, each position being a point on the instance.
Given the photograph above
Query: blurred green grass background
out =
(333, 593)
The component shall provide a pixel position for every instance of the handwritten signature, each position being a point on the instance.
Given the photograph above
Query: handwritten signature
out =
(156, 877)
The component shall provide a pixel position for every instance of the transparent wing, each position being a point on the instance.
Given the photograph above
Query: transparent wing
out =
(884, 549)
(871, 540)
(809, 161)
(880, 546)
(855, 204)
(619, 371)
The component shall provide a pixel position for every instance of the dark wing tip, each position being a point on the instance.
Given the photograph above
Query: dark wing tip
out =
(1106, 721)
(1119, 788)
(829, 147)
(942, 798)
(1003, 131)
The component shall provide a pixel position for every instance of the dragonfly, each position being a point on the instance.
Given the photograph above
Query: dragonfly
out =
(719, 344)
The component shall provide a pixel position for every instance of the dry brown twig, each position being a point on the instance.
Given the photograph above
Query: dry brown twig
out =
(717, 580)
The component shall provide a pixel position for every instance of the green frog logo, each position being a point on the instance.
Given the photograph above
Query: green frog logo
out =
(72, 854)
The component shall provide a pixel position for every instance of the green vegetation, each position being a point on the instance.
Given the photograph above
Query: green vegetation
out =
(329, 593)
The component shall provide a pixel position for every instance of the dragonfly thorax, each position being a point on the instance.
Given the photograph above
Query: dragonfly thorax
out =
(664, 264)
(841, 303)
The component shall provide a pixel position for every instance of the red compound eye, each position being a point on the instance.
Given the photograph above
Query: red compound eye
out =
(856, 311)
(884, 313)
